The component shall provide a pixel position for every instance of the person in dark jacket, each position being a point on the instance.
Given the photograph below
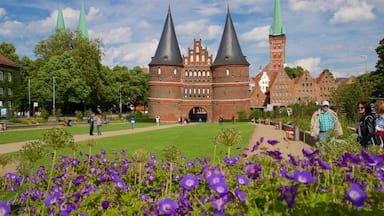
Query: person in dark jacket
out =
(366, 130)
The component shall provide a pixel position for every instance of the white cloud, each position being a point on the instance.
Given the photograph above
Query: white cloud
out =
(356, 12)
(114, 36)
(2, 12)
(198, 28)
(311, 64)
(11, 29)
(140, 53)
(258, 33)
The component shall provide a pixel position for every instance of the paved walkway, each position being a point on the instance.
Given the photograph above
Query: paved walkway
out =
(267, 131)
(285, 146)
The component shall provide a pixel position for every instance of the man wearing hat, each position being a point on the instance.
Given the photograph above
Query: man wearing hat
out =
(324, 120)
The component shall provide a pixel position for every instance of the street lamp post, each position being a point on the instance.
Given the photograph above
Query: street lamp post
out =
(365, 57)
(53, 95)
(120, 105)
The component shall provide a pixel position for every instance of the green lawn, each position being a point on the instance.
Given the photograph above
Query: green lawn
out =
(192, 141)
(11, 136)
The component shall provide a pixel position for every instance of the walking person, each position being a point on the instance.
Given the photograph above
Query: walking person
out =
(91, 122)
(233, 119)
(366, 129)
(157, 120)
(379, 107)
(221, 119)
(99, 122)
(323, 120)
(133, 121)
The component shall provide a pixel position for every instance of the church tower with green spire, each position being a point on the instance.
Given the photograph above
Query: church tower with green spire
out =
(277, 40)
(60, 20)
(82, 22)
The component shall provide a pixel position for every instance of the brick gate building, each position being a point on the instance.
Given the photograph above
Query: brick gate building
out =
(195, 86)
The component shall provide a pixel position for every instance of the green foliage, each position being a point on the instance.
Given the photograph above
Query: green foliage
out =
(294, 72)
(4, 159)
(140, 155)
(242, 115)
(57, 138)
(227, 137)
(327, 71)
(33, 151)
(171, 153)
(79, 115)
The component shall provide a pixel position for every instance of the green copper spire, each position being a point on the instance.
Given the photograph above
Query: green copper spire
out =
(82, 22)
(277, 27)
(60, 20)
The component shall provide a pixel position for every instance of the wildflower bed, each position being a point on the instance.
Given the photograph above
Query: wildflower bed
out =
(261, 184)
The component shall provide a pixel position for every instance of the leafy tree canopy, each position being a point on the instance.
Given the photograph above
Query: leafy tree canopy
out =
(294, 72)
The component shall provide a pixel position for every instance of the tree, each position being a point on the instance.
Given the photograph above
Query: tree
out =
(8, 50)
(378, 75)
(85, 62)
(294, 72)
(327, 71)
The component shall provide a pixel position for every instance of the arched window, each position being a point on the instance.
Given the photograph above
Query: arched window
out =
(159, 71)
(227, 71)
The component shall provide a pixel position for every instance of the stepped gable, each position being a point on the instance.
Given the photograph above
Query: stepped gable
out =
(168, 52)
(229, 50)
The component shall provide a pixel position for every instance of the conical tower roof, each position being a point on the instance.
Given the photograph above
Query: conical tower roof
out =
(82, 22)
(168, 52)
(60, 20)
(277, 27)
(229, 51)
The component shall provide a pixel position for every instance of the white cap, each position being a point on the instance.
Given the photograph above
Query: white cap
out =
(325, 103)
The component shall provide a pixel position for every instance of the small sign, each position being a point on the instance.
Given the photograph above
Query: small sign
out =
(35, 104)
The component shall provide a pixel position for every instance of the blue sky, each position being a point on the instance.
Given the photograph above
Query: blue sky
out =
(340, 35)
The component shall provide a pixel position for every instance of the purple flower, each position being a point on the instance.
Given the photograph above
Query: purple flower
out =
(219, 203)
(5, 209)
(240, 195)
(308, 154)
(221, 188)
(273, 142)
(105, 204)
(323, 164)
(289, 194)
(189, 182)
(356, 195)
(253, 171)
(120, 184)
(303, 177)
(231, 161)
(52, 199)
(242, 180)
(215, 179)
(261, 139)
(254, 147)
(167, 206)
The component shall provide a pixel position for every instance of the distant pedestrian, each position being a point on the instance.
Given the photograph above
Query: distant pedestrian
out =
(157, 120)
(91, 122)
(99, 122)
(133, 122)
(379, 107)
(324, 120)
(221, 119)
(233, 119)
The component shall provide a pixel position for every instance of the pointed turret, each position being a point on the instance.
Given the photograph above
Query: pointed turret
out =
(229, 51)
(277, 27)
(60, 20)
(82, 22)
(168, 52)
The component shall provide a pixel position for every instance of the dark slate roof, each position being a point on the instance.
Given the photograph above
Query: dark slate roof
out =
(7, 62)
(229, 51)
(168, 52)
